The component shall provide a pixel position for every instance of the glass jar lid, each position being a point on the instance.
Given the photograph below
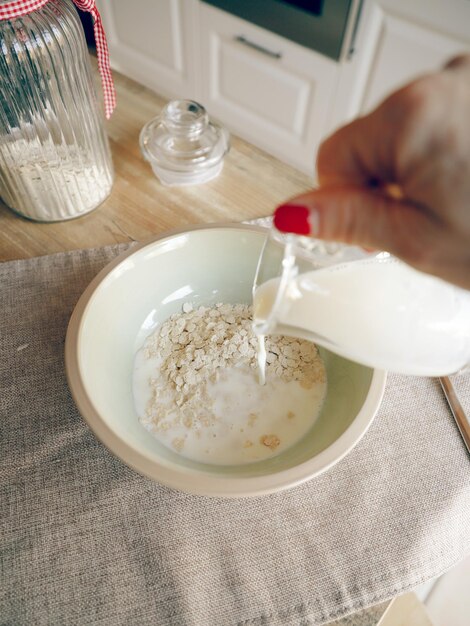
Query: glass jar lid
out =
(182, 145)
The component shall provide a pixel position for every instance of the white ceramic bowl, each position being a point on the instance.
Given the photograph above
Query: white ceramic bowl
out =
(139, 290)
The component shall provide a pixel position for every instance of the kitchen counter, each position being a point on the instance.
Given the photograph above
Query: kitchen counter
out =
(251, 184)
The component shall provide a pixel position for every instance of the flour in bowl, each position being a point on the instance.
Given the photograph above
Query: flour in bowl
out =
(196, 387)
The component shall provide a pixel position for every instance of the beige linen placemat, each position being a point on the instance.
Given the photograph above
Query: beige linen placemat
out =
(86, 540)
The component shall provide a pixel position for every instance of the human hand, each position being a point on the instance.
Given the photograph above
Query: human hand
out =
(398, 179)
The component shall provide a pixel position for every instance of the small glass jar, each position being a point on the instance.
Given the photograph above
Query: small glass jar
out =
(55, 162)
(183, 146)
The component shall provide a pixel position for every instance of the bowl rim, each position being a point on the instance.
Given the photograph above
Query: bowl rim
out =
(187, 479)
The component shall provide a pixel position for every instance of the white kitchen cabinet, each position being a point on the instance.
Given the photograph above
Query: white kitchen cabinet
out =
(404, 51)
(409, 44)
(269, 90)
(154, 42)
(397, 41)
(273, 92)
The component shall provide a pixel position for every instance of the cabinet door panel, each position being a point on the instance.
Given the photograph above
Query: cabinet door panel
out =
(405, 50)
(263, 90)
(155, 32)
(152, 42)
(267, 89)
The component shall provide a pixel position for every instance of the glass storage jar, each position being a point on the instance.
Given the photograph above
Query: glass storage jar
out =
(55, 162)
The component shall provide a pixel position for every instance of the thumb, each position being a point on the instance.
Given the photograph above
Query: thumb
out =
(364, 217)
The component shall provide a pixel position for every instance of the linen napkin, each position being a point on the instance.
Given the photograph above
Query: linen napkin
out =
(86, 540)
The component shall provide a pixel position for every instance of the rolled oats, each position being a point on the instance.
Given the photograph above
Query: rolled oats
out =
(194, 346)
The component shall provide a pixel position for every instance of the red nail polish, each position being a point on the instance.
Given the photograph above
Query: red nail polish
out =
(292, 218)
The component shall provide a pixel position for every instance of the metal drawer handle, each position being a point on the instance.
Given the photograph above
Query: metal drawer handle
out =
(255, 46)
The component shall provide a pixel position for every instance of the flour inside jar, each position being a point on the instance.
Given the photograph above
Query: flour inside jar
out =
(196, 387)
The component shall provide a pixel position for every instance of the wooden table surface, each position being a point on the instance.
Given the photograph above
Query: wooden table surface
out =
(252, 183)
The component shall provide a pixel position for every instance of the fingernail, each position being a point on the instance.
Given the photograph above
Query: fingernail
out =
(292, 218)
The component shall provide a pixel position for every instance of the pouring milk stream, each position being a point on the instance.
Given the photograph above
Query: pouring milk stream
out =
(370, 308)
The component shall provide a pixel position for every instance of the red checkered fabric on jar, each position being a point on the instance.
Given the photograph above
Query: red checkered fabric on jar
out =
(17, 8)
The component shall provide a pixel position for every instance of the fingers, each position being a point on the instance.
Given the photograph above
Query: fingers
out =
(375, 220)
(384, 144)
(343, 157)
(364, 151)
(351, 214)
(416, 145)
(460, 63)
